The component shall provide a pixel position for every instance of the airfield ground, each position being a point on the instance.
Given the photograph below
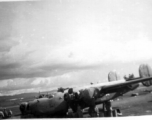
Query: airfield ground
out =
(129, 105)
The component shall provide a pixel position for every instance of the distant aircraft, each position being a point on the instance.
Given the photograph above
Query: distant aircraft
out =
(79, 98)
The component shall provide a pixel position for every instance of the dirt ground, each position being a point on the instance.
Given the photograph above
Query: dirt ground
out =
(138, 105)
(130, 106)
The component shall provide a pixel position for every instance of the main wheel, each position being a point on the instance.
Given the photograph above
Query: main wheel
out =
(101, 112)
(114, 113)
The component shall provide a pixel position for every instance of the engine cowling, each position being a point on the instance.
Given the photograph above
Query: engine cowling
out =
(133, 86)
(23, 107)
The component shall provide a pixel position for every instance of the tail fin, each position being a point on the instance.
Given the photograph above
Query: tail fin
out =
(145, 71)
(113, 76)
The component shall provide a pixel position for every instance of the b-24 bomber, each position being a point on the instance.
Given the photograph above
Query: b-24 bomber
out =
(72, 101)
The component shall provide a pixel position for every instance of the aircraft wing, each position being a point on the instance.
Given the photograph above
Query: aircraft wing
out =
(114, 85)
(122, 83)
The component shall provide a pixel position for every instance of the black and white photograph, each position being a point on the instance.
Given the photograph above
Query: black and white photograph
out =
(75, 59)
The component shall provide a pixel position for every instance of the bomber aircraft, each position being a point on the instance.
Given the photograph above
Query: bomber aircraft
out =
(73, 101)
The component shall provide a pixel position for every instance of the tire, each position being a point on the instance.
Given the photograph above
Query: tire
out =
(1, 117)
(101, 114)
(70, 114)
(114, 113)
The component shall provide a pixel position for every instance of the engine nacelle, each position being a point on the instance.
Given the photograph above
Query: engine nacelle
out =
(133, 86)
(23, 107)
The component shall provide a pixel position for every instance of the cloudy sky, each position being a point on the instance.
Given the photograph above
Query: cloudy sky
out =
(54, 43)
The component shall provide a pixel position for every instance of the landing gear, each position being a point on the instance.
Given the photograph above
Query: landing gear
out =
(109, 111)
(107, 108)
(77, 114)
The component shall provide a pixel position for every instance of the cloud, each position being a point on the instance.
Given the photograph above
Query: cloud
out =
(68, 79)
(48, 39)
(20, 85)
